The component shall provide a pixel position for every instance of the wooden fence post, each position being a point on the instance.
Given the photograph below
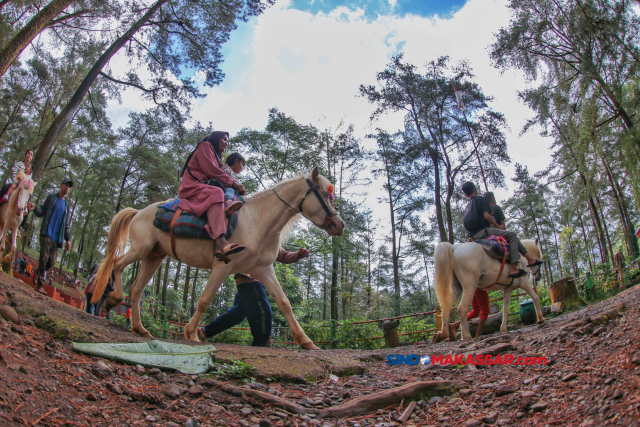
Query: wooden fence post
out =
(390, 329)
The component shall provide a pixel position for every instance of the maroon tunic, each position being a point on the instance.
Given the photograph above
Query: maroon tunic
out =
(198, 197)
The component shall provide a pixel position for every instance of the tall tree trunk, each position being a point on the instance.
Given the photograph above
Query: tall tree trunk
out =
(175, 281)
(394, 250)
(447, 207)
(596, 218)
(193, 292)
(342, 288)
(586, 242)
(426, 270)
(308, 277)
(165, 283)
(65, 116)
(606, 229)
(324, 288)
(34, 27)
(334, 279)
(84, 230)
(185, 294)
(438, 201)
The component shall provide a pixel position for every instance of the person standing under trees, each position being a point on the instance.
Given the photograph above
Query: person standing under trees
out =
(479, 224)
(251, 303)
(495, 210)
(202, 191)
(53, 231)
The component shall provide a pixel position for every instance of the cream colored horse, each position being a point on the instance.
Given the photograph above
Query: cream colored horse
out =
(463, 267)
(12, 212)
(262, 221)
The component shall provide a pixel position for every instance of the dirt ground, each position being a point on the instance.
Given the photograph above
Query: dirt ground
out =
(591, 377)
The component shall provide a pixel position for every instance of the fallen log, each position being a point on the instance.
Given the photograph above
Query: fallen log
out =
(414, 391)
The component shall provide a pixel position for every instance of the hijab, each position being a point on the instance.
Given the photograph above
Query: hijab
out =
(214, 139)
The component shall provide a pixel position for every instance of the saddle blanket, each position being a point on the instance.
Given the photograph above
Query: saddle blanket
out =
(188, 225)
(495, 246)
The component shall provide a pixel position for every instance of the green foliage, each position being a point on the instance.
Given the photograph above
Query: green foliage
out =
(234, 369)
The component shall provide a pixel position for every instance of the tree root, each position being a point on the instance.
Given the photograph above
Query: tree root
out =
(412, 391)
(353, 408)
(279, 402)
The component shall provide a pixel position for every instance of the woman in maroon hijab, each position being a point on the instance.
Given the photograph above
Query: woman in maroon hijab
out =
(201, 191)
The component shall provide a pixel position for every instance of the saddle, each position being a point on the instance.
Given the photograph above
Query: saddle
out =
(186, 225)
(495, 247)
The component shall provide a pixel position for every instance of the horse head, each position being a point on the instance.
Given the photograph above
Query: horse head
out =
(25, 190)
(534, 248)
(319, 205)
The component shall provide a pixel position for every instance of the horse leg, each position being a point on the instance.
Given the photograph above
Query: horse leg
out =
(463, 309)
(219, 272)
(506, 301)
(134, 254)
(526, 286)
(271, 284)
(9, 258)
(148, 267)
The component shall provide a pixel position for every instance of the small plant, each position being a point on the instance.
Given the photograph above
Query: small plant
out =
(237, 369)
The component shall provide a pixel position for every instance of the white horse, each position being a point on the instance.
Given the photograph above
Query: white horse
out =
(262, 224)
(12, 212)
(463, 267)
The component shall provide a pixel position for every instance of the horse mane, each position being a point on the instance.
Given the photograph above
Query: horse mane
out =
(293, 222)
(323, 183)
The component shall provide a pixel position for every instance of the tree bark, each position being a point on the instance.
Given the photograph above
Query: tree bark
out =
(334, 279)
(564, 291)
(606, 229)
(175, 281)
(165, 282)
(34, 27)
(193, 292)
(185, 294)
(324, 288)
(65, 116)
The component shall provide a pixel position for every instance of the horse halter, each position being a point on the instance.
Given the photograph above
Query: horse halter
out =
(312, 188)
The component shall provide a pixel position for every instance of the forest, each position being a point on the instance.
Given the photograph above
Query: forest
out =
(580, 58)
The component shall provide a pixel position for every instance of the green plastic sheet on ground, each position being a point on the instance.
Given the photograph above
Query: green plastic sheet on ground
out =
(190, 359)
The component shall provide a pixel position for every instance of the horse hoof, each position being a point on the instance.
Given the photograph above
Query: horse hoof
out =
(146, 334)
(310, 346)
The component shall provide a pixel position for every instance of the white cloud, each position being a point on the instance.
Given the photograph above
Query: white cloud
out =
(311, 66)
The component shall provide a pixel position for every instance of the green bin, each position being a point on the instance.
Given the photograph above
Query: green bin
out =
(528, 312)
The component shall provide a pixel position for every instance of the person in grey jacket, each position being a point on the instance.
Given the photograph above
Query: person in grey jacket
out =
(53, 231)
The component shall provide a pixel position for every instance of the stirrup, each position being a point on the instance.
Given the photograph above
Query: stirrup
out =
(229, 250)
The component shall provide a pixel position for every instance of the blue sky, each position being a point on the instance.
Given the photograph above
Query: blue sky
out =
(373, 8)
(308, 59)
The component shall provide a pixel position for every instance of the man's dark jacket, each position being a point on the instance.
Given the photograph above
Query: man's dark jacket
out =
(45, 211)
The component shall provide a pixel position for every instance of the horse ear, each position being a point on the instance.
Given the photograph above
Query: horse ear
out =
(315, 173)
(537, 241)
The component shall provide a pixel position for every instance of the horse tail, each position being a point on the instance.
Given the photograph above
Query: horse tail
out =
(444, 274)
(118, 236)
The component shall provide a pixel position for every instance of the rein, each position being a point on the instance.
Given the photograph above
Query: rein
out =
(312, 188)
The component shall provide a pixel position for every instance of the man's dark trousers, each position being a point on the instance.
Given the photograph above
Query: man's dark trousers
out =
(250, 303)
(48, 254)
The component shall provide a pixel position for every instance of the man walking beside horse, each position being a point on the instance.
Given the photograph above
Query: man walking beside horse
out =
(53, 231)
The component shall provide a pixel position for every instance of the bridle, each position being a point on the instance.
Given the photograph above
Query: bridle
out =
(312, 188)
